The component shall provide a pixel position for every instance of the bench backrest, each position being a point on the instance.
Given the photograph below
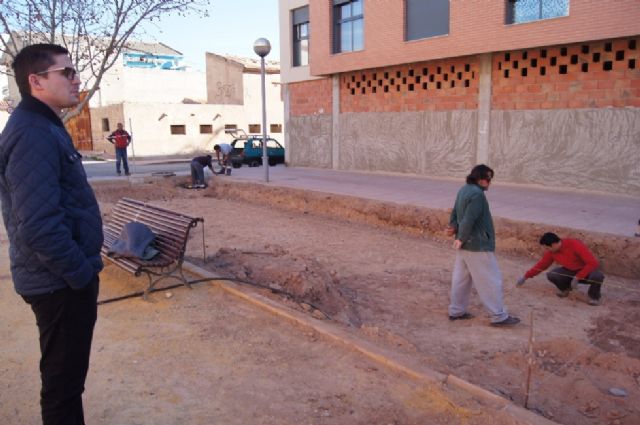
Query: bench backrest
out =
(171, 228)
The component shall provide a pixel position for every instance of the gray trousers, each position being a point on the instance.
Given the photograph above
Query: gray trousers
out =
(478, 269)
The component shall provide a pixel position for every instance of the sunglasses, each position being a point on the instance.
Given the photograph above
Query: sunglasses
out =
(68, 72)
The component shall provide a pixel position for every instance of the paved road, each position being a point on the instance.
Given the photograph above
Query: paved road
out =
(605, 213)
(102, 169)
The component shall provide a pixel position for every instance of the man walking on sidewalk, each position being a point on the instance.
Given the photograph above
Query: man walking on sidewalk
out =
(121, 139)
(54, 226)
(476, 263)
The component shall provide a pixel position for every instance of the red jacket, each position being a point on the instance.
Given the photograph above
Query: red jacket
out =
(572, 255)
(120, 138)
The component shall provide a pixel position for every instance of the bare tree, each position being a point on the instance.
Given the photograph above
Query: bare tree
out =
(94, 31)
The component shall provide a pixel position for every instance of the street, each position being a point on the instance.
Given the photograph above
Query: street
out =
(101, 169)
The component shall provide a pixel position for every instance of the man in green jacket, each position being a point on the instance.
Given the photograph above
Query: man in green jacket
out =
(475, 243)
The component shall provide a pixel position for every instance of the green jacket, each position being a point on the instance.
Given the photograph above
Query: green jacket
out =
(472, 219)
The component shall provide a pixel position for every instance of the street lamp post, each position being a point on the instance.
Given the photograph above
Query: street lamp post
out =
(262, 47)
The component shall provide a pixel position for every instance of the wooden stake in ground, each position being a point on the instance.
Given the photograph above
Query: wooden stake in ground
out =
(529, 361)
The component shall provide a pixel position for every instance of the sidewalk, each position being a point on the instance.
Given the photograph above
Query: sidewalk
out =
(615, 214)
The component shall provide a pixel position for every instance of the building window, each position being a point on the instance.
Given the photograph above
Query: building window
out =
(425, 19)
(254, 128)
(275, 128)
(179, 129)
(206, 129)
(231, 126)
(519, 11)
(105, 124)
(300, 18)
(348, 26)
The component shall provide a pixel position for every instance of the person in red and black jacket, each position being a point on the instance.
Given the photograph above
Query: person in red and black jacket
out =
(121, 139)
(578, 266)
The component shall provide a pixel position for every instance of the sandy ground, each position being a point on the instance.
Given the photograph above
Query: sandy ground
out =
(381, 272)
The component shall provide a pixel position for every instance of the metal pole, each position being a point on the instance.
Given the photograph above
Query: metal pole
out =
(265, 157)
(133, 152)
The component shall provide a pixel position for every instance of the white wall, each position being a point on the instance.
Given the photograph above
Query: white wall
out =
(253, 102)
(152, 135)
(124, 84)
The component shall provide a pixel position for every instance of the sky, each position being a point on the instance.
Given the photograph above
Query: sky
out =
(231, 28)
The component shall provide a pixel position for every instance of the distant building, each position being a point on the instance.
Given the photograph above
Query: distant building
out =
(171, 109)
(545, 92)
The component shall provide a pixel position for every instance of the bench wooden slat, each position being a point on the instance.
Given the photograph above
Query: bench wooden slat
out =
(171, 231)
(160, 244)
(170, 238)
(156, 215)
(154, 219)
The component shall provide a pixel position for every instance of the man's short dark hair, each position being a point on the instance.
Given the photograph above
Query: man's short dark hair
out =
(216, 147)
(549, 239)
(479, 172)
(33, 59)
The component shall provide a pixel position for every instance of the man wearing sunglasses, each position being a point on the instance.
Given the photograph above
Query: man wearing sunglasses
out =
(54, 226)
(475, 243)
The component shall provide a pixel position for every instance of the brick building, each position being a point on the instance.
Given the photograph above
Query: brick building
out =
(546, 92)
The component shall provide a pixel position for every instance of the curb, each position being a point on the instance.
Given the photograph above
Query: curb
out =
(389, 359)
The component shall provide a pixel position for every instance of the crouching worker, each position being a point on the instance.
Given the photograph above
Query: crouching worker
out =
(578, 266)
(197, 170)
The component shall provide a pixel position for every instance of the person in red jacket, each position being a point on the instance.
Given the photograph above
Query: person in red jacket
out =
(121, 139)
(578, 266)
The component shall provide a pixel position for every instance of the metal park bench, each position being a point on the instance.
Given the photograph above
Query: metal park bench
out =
(171, 231)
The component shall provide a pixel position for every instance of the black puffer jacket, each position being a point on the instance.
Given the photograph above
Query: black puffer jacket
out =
(49, 210)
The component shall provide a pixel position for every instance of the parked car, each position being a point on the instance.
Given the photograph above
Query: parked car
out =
(249, 151)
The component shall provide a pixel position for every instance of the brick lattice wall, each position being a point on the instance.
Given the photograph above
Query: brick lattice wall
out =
(599, 74)
(310, 97)
(426, 86)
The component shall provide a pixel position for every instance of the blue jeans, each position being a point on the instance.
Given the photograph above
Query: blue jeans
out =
(197, 173)
(121, 155)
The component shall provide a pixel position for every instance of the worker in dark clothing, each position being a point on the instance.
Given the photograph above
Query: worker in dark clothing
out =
(197, 170)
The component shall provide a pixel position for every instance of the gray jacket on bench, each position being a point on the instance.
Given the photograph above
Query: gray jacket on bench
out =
(50, 211)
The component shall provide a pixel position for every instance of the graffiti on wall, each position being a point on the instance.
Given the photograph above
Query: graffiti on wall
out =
(225, 89)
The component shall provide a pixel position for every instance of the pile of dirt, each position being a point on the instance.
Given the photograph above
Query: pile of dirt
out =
(305, 280)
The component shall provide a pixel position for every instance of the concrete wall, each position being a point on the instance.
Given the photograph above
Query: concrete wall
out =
(559, 116)
(430, 143)
(592, 149)
(309, 140)
(152, 126)
(224, 80)
(113, 113)
(274, 101)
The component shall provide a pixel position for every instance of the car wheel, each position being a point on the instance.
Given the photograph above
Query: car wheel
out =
(254, 163)
(273, 161)
(236, 165)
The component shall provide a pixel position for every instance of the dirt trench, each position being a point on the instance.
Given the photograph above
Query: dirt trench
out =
(383, 271)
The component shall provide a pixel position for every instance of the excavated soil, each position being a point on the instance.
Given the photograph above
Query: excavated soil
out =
(382, 271)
